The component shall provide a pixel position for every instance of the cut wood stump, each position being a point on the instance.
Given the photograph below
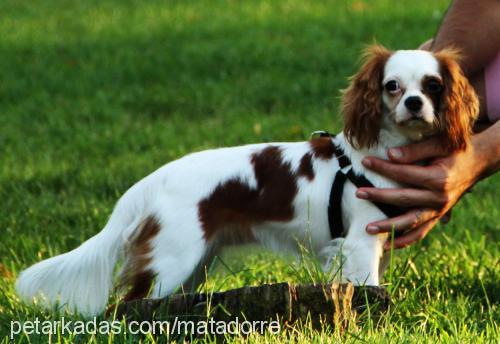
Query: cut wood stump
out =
(332, 304)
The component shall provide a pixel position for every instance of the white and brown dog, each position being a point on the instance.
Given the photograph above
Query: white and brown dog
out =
(168, 223)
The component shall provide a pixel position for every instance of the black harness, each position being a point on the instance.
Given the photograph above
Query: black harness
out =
(335, 222)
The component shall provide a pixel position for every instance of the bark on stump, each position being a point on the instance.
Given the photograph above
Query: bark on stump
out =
(322, 303)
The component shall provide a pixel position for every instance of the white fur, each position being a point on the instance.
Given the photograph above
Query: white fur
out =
(409, 68)
(82, 278)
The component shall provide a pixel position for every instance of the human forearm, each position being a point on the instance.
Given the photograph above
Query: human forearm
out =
(471, 26)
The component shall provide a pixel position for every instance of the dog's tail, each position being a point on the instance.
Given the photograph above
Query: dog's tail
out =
(82, 278)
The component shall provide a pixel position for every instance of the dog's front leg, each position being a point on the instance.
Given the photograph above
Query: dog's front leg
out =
(348, 261)
(355, 258)
(362, 254)
(361, 263)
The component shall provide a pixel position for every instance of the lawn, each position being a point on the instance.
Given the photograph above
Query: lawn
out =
(95, 95)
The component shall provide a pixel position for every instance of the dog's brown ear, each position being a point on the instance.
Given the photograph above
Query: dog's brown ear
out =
(362, 100)
(460, 105)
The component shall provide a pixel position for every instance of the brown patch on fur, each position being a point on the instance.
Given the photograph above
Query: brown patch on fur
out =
(460, 105)
(136, 271)
(306, 167)
(434, 97)
(323, 148)
(234, 202)
(362, 100)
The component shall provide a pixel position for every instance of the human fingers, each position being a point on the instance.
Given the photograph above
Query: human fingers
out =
(419, 151)
(410, 220)
(406, 174)
(404, 197)
(413, 236)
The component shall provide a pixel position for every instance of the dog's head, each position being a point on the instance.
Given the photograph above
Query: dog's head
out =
(414, 92)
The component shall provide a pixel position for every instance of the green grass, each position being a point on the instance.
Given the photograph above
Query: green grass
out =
(95, 95)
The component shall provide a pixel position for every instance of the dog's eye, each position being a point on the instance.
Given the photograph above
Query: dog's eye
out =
(392, 86)
(433, 86)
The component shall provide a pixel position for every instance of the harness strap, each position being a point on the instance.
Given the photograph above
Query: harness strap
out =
(335, 221)
(341, 157)
(335, 206)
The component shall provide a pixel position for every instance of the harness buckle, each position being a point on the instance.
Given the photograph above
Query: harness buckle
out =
(320, 133)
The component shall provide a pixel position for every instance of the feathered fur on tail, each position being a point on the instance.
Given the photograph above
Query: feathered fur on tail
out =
(82, 278)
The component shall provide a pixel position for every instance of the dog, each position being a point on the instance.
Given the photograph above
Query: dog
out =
(278, 194)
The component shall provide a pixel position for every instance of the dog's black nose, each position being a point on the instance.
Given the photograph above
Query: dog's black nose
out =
(414, 103)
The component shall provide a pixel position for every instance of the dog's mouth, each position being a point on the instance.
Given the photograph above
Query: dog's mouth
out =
(415, 122)
(419, 123)
(416, 128)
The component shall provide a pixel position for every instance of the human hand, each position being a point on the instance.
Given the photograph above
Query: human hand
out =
(433, 189)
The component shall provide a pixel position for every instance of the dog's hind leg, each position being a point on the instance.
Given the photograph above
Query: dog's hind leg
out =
(162, 254)
(199, 274)
(173, 271)
(177, 252)
(230, 235)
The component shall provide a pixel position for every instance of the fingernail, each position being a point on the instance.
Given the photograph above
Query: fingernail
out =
(396, 153)
(366, 162)
(372, 229)
(361, 194)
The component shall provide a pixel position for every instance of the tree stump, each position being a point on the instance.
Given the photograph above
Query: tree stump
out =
(332, 304)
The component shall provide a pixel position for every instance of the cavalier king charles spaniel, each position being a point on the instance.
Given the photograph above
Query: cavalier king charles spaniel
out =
(171, 223)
